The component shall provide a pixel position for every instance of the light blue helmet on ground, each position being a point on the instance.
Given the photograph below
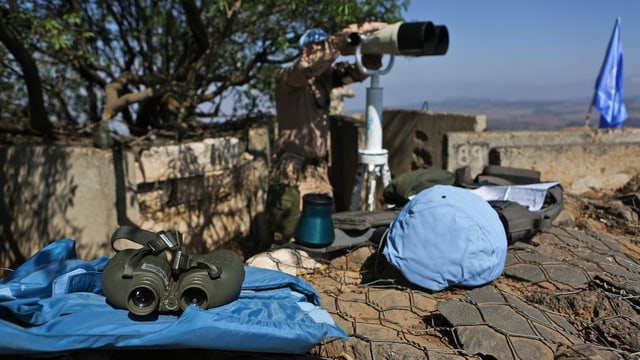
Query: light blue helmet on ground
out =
(312, 36)
(447, 236)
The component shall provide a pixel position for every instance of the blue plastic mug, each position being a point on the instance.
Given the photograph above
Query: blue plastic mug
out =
(315, 226)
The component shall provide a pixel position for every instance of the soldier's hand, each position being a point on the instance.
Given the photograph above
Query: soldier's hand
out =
(366, 27)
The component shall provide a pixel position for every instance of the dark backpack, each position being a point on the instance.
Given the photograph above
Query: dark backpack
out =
(520, 223)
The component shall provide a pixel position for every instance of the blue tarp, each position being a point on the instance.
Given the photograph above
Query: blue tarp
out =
(54, 303)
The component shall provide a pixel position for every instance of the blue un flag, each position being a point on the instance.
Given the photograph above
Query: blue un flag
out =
(609, 86)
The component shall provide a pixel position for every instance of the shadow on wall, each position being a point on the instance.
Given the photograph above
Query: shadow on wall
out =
(212, 194)
(212, 191)
(35, 189)
(421, 156)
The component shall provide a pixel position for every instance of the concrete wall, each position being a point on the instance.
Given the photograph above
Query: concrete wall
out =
(579, 158)
(209, 190)
(214, 190)
(579, 168)
(414, 138)
(54, 192)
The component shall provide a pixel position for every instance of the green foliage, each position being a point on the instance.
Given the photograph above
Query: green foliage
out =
(194, 56)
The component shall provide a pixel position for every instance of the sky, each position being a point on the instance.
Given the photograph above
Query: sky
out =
(512, 50)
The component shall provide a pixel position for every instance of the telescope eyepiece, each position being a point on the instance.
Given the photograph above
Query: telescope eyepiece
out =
(354, 39)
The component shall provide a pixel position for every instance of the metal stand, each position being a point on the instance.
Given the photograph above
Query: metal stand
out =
(373, 166)
(373, 159)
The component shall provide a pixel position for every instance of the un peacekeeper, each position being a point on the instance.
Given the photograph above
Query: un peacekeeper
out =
(303, 93)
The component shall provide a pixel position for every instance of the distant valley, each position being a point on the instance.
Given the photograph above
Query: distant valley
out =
(529, 115)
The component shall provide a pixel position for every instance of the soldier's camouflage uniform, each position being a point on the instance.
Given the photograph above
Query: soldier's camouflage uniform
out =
(302, 146)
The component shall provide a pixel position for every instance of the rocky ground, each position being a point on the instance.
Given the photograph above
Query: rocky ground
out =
(572, 292)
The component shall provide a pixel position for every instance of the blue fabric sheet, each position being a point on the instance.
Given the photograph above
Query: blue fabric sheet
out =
(54, 303)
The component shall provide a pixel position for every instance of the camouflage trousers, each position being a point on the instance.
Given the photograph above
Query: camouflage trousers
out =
(311, 177)
(292, 177)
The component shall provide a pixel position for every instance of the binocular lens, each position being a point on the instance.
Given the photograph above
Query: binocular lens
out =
(153, 286)
(194, 296)
(142, 297)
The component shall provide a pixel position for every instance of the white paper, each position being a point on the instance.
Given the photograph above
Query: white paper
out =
(530, 195)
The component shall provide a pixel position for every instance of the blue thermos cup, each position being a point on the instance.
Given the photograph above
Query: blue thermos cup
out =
(315, 226)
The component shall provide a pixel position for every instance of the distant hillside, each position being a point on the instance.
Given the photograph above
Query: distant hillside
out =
(530, 115)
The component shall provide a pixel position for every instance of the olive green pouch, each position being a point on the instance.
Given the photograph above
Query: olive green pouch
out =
(283, 208)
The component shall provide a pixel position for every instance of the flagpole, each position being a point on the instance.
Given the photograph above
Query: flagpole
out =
(587, 119)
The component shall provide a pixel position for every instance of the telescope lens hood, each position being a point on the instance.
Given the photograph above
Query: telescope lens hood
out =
(422, 39)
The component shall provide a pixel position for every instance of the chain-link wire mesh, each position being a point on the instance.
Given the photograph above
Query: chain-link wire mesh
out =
(567, 294)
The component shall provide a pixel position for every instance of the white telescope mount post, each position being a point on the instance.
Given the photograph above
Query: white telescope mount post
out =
(373, 159)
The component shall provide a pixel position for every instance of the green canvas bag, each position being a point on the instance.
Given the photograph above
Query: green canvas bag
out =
(283, 208)
(409, 184)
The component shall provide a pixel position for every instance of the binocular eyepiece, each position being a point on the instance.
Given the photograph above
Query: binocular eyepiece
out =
(402, 38)
(144, 282)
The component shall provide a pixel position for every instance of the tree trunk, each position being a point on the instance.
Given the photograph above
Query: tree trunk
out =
(38, 114)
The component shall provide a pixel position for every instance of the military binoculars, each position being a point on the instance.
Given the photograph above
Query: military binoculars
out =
(403, 38)
(145, 280)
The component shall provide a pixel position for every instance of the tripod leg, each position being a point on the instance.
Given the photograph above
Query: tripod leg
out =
(386, 175)
(371, 188)
(357, 189)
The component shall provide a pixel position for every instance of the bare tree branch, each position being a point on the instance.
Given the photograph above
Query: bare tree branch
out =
(114, 102)
(169, 59)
